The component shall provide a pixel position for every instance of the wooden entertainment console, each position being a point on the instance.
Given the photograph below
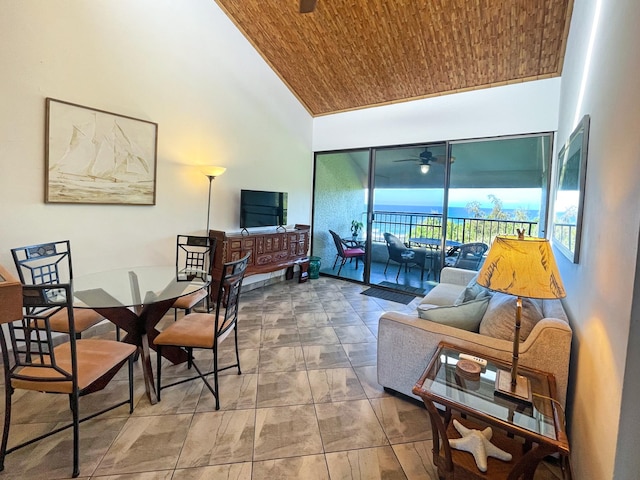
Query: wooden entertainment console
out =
(270, 251)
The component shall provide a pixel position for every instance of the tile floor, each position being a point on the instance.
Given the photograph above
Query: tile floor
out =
(307, 406)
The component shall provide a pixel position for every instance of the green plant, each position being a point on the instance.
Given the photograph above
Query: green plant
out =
(356, 226)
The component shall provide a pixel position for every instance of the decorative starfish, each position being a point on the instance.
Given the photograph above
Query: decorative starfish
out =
(477, 443)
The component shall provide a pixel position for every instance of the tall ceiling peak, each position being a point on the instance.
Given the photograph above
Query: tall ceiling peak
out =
(351, 54)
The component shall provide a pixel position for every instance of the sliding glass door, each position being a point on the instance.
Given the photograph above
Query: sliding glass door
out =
(340, 204)
(408, 202)
(414, 207)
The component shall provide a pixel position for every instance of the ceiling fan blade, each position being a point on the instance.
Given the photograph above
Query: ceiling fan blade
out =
(307, 6)
(408, 160)
(442, 159)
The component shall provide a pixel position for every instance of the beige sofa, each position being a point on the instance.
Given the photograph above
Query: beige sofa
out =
(406, 343)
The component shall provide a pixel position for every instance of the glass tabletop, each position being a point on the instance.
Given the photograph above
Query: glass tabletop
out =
(130, 287)
(444, 383)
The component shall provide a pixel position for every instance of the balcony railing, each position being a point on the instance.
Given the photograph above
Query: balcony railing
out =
(406, 225)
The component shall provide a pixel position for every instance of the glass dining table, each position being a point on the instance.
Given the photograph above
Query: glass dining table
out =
(135, 299)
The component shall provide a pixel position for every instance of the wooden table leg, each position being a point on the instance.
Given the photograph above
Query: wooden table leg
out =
(147, 371)
(141, 331)
(527, 465)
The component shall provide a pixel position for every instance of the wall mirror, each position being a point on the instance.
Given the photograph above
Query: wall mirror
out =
(569, 191)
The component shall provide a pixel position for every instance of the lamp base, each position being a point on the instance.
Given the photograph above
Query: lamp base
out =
(520, 392)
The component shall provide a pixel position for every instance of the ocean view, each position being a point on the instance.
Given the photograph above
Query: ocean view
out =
(461, 212)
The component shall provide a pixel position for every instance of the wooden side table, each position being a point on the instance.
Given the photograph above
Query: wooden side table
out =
(531, 432)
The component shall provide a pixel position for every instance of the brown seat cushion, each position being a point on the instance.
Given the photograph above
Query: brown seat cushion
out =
(194, 330)
(83, 318)
(95, 358)
(191, 300)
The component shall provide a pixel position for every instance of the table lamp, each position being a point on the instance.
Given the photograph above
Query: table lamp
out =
(211, 172)
(524, 267)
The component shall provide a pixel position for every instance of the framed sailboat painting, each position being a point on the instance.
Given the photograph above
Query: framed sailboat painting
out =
(98, 157)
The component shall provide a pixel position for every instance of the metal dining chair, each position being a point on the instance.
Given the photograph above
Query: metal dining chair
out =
(34, 360)
(207, 331)
(49, 263)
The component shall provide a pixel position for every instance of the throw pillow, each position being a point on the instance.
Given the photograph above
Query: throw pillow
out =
(472, 291)
(466, 316)
(500, 317)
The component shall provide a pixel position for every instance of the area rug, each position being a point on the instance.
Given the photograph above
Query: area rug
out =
(413, 290)
(390, 296)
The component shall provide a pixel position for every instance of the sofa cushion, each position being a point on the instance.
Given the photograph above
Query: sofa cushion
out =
(472, 291)
(500, 317)
(443, 294)
(466, 316)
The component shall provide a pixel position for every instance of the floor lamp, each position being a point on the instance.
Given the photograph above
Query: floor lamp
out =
(523, 267)
(211, 172)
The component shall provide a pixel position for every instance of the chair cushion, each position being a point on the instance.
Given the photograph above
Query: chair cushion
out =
(95, 358)
(500, 318)
(195, 330)
(353, 252)
(83, 319)
(466, 316)
(189, 301)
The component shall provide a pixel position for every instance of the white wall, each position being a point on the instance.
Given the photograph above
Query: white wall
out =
(181, 64)
(529, 107)
(603, 410)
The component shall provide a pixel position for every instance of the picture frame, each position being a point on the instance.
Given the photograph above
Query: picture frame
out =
(569, 191)
(97, 157)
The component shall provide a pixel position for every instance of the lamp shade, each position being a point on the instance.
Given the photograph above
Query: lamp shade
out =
(211, 171)
(524, 267)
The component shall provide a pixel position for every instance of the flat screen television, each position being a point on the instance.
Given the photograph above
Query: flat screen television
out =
(262, 209)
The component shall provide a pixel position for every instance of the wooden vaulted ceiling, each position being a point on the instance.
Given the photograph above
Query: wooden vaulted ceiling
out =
(351, 54)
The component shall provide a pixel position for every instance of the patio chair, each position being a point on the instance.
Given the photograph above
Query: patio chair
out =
(345, 252)
(35, 359)
(193, 253)
(403, 255)
(469, 256)
(207, 331)
(49, 263)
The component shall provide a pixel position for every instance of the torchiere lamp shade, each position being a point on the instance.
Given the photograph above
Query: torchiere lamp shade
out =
(524, 267)
(211, 171)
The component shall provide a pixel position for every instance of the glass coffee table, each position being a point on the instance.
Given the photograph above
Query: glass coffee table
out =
(529, 432)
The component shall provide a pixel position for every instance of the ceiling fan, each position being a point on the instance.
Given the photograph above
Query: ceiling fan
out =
(307, 6)
(425, 159)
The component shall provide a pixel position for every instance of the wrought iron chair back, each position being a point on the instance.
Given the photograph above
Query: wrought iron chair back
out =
(194, 253)
(44, 264)
(32, 339)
